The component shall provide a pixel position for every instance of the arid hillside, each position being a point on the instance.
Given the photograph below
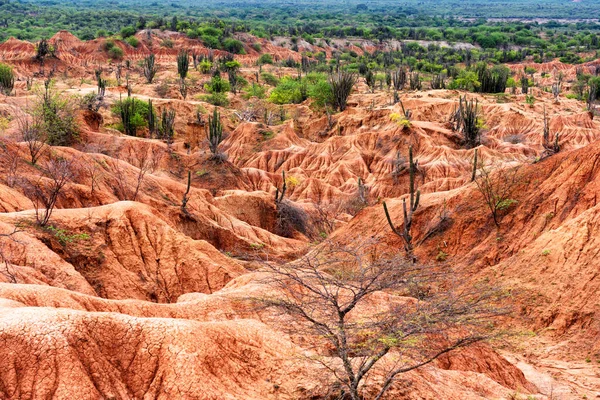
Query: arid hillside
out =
(142, 266)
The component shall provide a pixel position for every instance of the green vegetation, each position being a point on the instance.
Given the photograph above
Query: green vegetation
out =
(56, 114)
(464, 22)
(7, 79)
(133, 114)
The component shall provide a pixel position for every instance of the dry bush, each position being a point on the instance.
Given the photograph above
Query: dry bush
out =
(44, 192)
(326, 299)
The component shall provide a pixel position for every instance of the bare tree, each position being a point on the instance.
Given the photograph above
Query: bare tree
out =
(327, 296)
(31, 132)
(94, 172)
(9, 156)
(45, 191)
(8, 269)
(497, 186)
(142, 156)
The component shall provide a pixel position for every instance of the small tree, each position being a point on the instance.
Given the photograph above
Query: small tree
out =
(370, 80)
(45, 191)
(43, 50)
(150, 68)
(32, 133)
(341, 84)
(10, 159)
(57, 115)
(7, 79)
(326, 298)
(497, 186)
(408, 213)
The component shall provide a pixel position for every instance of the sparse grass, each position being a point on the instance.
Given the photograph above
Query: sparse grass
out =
(64, 237)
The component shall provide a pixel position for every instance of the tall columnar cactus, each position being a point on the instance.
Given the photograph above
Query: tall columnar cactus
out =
(183, 63)
(279, 194)
(185, 199)
(556, 91)
(399, 79)
(414, 198)
(150, 68)
(341, 86)
(127, 113)
(214, 132)
(152, 126)
(437, 82)
(166, 125)
(101, 83)
(466, 119)
(524, 84)
(474, 171)
(550, 146)
(415, 81)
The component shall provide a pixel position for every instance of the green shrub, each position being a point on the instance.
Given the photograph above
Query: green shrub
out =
(205, 66)
(216, 99)
(233, 46)
(288, 91)
(7, 79)
(269, 78)
(217, 85)
(255, 90)
(138, 117)
(127, 32)
(57, 115)
(115, 53)
(265, 59)
(132, 41)
(211, 42)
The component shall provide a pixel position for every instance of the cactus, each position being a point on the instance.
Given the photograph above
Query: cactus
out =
(166, 125)
(183, 63)
(556, 91)
(127, 113)
(101, 83)
(118, 73)
(474, 173)
(151, 119)
(591, 99)
(214, 132)
(341, 86)
(466, 119)
(185, 199)
(524, 84)
(279, 194)
(415, 81)
(150, 68)
(437, 82)
(183, 88)
(370, 80)
(406, 112)
(414, 198)
(399, 79)
(550, 147)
